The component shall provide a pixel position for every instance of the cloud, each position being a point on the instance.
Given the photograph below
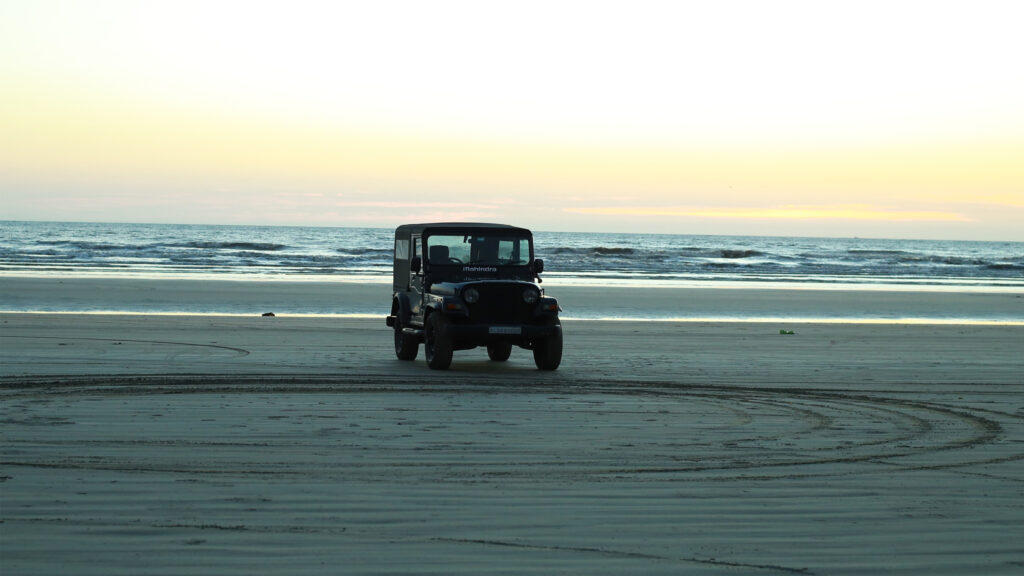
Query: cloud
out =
(383, 219)
(1009, 200)
(806, 212)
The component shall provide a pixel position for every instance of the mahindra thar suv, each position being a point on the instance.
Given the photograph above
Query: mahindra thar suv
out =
(459, 285)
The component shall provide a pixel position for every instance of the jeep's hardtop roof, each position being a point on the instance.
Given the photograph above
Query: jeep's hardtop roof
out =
(406, 230)
(400, 270)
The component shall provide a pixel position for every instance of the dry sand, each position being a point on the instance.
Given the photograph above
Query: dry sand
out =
(149, 444)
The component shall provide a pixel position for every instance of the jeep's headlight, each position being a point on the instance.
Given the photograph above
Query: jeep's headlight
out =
(530, 295)
(471, 295)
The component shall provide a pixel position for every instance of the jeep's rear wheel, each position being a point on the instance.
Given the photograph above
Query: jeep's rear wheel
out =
(406, 345)
(499, 351)
(437, 343)
(547, 352)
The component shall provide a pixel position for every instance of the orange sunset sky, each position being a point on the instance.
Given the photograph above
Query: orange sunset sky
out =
(873, 119)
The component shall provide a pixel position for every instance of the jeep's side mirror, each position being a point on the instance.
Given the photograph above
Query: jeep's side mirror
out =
(416, 264)
(538, 266)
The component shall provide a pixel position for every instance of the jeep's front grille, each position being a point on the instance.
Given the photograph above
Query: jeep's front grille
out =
(500, 304)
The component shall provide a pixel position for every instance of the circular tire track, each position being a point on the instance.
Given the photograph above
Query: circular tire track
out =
(829, 429)
(487, 429)
(236, 352)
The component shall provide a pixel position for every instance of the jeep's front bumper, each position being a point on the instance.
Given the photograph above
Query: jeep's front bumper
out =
(466, 335)
(491, 332)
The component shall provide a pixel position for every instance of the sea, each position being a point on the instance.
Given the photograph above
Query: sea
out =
(365, 255)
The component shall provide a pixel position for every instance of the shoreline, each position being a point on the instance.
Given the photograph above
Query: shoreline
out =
(691, 320)
(557, 280)
(579, 302)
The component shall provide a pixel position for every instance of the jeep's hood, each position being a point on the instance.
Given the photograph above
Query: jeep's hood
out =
(454, 288)
(474, 273)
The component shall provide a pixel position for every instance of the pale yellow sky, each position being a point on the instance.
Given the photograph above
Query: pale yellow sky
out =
(896, 119)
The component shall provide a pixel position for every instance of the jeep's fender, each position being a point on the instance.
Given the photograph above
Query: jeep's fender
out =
(547, 307)
(432, 303)
(400, 307)
(448, 305)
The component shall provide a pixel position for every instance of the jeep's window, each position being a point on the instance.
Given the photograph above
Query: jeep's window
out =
(479, 249)
(402, 249)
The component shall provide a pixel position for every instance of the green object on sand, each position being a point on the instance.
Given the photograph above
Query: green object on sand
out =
(787, 332)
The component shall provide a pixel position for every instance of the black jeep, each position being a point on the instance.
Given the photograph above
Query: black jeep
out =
(462, 285)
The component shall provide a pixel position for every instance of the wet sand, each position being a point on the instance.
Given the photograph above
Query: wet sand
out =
(152, 444)
(734, 301)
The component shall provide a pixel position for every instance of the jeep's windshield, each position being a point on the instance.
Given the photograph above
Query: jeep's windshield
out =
(482, 248)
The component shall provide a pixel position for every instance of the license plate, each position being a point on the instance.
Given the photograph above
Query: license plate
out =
(506, 330)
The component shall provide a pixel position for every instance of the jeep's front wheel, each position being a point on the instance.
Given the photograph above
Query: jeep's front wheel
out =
(437, 343)
(547, 352)
(406, 345)
(499, 351)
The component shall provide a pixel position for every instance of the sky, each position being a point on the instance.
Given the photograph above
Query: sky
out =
(897, 119)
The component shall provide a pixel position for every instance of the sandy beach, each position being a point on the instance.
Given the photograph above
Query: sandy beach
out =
(205, 444)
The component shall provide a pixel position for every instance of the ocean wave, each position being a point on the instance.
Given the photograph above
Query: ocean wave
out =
(655, 253)
(944, 260)
(737, 254)
(1005, 266)
(213, 245)
(155, 249)
(603, 251)
(860, 252)
(90, 246)
(365, 251)
(591, 251)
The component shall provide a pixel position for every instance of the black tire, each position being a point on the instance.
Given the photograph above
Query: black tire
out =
(547, 352)
(437, 343)
(406, 345)
(499, 351)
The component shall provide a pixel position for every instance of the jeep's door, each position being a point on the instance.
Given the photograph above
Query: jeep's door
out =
(416, 280)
